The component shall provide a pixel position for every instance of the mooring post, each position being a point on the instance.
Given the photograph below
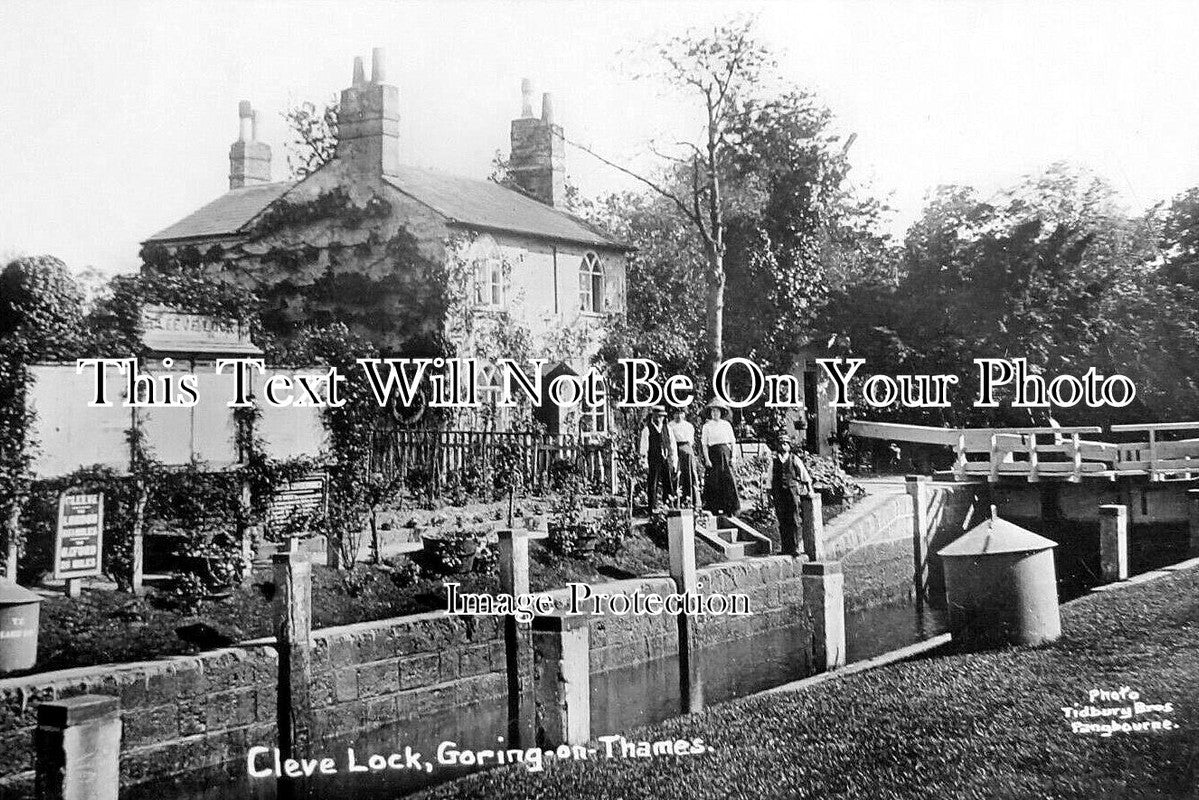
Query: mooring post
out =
(824, 598)
(78, 748)
(562, 675)
(293, 633)
(518, 638)
(1193, 517)
(917, 486)
(680, 526)
(1113, 542)
(812, 511)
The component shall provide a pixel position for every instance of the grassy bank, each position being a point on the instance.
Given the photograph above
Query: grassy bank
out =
(947, 725)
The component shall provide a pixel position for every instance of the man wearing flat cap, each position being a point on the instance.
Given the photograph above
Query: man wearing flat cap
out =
(660, 456)
(789, 481)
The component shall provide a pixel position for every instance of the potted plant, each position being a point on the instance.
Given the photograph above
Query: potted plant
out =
(572, 532)
(451, 551)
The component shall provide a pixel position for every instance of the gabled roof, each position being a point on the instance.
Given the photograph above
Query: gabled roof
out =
(486, 204)
(225, 215)
(464, 201)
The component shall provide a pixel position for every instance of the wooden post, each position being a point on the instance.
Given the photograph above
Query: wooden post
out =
(812, 511)
(824, 598)
(138, 536)
(12, 535)
(77, 747)
(518, 642)
(917, 486)
(293, 634)
(1113, 542)
(1193, 517)
(562, 648)
(680, 525)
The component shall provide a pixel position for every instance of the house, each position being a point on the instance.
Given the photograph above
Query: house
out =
(419, 261)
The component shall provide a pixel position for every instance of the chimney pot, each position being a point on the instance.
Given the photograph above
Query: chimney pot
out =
(245, 117)
(249, 159)
(378, 70)
(368, 135)
(526, 96)
(547, 108)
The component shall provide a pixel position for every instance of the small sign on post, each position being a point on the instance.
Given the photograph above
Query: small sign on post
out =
(80, 538)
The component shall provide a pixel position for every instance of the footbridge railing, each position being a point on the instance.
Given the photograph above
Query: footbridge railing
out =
(1054, 452)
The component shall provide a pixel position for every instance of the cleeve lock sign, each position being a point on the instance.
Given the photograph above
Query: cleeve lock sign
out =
(80, 534)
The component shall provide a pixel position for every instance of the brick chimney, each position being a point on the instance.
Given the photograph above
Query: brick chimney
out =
(368, 121)
(249, 159)
(538, 157)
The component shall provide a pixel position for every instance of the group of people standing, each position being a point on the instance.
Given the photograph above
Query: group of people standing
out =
(668, 452)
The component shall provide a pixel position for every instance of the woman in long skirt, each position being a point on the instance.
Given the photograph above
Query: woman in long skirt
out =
(717, 442)
(688, 477)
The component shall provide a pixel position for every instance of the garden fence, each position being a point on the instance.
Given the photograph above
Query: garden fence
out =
(443, 458)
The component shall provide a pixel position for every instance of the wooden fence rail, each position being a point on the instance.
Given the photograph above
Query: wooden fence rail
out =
(476, 456)
(1053, 452)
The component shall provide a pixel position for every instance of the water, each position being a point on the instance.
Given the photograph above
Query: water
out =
(621, 699)
(1076, 557)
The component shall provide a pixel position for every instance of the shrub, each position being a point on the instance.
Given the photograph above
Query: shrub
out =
(404, 571)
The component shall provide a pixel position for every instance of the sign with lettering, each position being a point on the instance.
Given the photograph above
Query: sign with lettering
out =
(78, 545)
(169, 330)
(304, 495)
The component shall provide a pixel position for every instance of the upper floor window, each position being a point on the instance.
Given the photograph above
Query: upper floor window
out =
(591, 284)
(489, 282)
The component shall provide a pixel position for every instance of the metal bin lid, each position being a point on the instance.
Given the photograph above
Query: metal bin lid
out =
(996, 536)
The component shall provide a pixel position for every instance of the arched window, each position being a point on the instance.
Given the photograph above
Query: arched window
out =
(489, 282)
(591, 284)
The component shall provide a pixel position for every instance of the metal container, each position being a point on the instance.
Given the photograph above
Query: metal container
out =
(18, 627)
(1001, 586)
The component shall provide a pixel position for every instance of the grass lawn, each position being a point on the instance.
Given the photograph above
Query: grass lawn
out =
(107, 626)
(986, 725)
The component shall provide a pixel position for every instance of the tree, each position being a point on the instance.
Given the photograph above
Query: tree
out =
(41, 303)
(314, 137)
(41, 314)
(720, 70)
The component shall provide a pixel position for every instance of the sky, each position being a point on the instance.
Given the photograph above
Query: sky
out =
(116, 117)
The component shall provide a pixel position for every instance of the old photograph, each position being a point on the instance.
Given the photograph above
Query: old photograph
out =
(609, 400)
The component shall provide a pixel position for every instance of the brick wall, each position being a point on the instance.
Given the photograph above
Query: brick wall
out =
(772, 584)
(179, 714)
(372, 673)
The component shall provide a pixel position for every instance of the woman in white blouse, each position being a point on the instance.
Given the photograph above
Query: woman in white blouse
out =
(716, 443)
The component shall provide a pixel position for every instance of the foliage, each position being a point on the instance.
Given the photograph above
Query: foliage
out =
(449, 548)
(834, 484)
(612, 529)
(41, 303)
(791, 225)
(201, 510)
(39, 520)
(114, 325)
(41, 318)
(404, 571)
(1051, 270)
(350, 433)
(313, 141)
(572, 532)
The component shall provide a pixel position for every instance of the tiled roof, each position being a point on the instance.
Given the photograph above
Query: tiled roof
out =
(468, 201)
(225, 215)
(486, 204)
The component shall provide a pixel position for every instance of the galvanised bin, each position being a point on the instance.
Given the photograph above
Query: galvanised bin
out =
(19, 609)
(1001, 586)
